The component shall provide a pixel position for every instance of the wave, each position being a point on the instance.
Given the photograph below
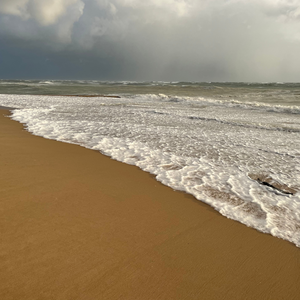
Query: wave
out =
(48, 82)
(230, 103)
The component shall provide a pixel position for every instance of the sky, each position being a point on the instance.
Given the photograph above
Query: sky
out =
(169, 40)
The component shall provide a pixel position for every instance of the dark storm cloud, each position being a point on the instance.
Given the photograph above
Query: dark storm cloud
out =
(203, 40)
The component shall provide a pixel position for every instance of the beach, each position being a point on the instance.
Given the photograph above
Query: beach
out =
(76, 224)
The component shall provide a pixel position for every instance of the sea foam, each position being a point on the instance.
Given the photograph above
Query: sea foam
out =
(240, 158)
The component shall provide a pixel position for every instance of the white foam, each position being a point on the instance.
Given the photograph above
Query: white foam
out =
(204, 147)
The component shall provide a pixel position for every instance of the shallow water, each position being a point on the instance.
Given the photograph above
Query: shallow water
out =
(233, 146)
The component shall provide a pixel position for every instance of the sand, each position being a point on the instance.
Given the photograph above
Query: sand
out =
(77, 225)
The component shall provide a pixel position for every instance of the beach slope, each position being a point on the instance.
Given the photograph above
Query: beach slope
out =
(77, 225)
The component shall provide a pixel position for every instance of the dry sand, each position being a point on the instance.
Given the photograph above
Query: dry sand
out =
(78, 225)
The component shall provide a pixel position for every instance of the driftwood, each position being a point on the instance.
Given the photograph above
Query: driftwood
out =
(270, 182)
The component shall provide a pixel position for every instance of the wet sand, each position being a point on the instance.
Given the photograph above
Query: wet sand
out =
(78, 225)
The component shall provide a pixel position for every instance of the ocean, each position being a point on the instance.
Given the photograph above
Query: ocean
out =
(234, 146)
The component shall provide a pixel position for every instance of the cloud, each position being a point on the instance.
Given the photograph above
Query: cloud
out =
(154, 39)
(14, 7)
(45, 12)
(281, 8)
(46, 21)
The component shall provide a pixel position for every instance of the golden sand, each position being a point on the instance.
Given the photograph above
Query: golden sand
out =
(78, 225)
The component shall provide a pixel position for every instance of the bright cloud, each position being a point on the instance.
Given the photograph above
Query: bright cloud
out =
(45, 12)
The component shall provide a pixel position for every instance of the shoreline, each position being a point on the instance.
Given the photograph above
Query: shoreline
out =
(6, 108)
(79, 225)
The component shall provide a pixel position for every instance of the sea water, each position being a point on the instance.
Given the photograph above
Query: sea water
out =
(234, 146)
